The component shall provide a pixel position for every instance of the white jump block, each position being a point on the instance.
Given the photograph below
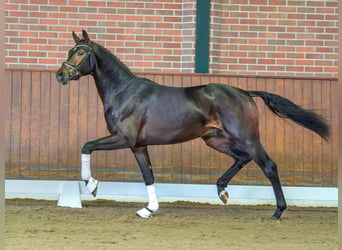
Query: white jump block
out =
(69, 195)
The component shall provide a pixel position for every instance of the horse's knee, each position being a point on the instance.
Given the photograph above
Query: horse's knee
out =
(86, 148)
(271, 171)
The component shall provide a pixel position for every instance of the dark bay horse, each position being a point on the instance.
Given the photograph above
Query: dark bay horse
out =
(140, 112)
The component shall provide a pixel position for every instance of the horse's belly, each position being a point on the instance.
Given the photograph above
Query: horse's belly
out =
(163, 135)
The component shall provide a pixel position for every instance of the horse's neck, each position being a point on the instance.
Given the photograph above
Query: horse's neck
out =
(109, 81)
(110, 74)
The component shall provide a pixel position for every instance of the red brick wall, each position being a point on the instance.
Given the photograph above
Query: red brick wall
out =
(274, 37)
(258, 37)
(146, 35)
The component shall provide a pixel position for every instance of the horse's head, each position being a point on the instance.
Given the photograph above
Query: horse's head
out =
(80, 62)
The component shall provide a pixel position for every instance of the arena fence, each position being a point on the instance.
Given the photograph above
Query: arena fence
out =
(49, 123)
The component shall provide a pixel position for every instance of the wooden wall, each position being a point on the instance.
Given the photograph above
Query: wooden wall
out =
(49, 123)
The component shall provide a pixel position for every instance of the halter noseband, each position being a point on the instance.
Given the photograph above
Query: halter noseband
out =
(77, 67)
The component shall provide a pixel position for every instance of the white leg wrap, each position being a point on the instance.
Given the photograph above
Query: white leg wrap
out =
(152, 198)
(85, 170)
(91, 183)
(153, 204)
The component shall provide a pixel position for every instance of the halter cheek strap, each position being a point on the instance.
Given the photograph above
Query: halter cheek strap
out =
(77, 68)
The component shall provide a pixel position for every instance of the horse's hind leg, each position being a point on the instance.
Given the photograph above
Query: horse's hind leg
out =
(229, 147)
(143, 159)
(241, 159)
(269, 168)
(242, 155)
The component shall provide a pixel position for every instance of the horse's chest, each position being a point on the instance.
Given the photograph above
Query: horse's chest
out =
(121, 116)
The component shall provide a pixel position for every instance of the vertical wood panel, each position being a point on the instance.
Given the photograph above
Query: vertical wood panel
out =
(15, 126)
(35, 124)
(73, 122)
(307, 140)
(298, 146)
(44, 123)
(25, 124)
(334, 131)
(50, 123)
(83, 92)
(327, 166)
(289, 154)
(317, 141)
(63, 127)
(8, 126)
(54, 130)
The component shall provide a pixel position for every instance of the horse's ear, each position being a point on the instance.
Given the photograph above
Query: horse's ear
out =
(85, 36)
(76, 38)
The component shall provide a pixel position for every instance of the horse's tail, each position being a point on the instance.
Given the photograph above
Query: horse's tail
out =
(284, 108)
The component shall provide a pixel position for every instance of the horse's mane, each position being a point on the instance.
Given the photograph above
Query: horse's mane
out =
(111, 61)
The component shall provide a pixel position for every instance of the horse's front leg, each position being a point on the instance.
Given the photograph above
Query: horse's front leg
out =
(141, 155)
(111, 142)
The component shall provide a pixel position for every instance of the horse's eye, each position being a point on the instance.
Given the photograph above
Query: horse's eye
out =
(80, 53)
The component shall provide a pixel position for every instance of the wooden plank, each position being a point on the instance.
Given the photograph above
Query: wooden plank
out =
(35, 126)
(15, 125)
(63, 126)
(168, 81)
(298, 143)
(326, 146)
(334, 132)
(317, 141)
(25, 124)
(54, 170)
(73, 143)
(44, 122)
(8, 124)
(287, 170)
(158, 79)
(308, 140)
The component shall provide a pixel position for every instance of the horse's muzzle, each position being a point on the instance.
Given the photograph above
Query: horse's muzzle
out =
(62, 77)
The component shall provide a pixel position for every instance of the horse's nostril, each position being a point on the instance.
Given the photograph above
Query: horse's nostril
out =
(60, 76)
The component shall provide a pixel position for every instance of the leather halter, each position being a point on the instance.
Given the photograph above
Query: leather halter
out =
(77, 67)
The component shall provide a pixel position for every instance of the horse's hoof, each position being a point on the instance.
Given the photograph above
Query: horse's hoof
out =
(277, 214)
(224, 196)
(94, 193)
(92, 185)
(144, 213)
